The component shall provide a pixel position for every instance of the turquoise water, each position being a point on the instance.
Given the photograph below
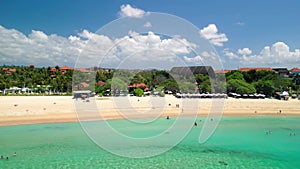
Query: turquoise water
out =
(239, 142)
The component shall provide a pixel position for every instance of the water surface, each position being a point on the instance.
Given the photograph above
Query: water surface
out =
(239, 142)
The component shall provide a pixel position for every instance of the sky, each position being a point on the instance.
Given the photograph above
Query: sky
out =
(62, 32)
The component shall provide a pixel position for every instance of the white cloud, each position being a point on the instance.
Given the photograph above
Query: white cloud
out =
(137, 42)
(50, 50)
(148, 25)
(129, 11)
(36, 47)
(276, 55)
(230, 54)
(244, 51)
(211, 33)
(196, 59)
(279, 54)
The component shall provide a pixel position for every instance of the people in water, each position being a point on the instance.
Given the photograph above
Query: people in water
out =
(168, 118)
(7, 158)
(268, 132)
(195, 124)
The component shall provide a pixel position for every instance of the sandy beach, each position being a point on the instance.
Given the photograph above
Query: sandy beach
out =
(46, 109)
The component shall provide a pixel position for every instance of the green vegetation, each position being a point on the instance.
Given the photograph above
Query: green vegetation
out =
(138, 92)
(38, 79)
(110, 82)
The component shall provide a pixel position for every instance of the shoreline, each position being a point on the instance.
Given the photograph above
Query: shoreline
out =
(42, 120)
(21, 110)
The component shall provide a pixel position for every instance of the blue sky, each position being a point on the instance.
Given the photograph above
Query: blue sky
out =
(259, 33)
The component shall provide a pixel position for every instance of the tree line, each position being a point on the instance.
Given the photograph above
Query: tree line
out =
(106, 81)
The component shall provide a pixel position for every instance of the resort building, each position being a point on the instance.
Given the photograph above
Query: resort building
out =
(64, 69)
(294, 72)
(9, 70)
(284, 72)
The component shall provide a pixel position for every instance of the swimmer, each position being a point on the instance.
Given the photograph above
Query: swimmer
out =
(15, 154)
(2, 157)
(168, 118)
(195, 124)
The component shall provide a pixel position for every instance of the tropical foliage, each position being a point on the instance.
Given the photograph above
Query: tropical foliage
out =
(108, 81)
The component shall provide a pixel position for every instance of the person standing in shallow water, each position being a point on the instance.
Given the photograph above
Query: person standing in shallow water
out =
(15, 154)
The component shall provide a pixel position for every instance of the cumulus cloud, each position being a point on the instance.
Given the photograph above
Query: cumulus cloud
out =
(211, 33)
(278, 54)
(37, 47)
(196, 59)
(232, 55)
(149, 47)
(244, 51)
(50, 50)
(129, 11)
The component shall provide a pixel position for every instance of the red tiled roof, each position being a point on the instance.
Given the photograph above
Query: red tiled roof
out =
(12, 70)
(65, 68)
(53, 69)
(295, 69)
(257, 69)
(84, 70)
(84, 84)
(139, 85)
(222, 71)
(101, 83)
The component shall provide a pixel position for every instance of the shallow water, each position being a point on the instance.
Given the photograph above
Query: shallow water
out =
(239, 142)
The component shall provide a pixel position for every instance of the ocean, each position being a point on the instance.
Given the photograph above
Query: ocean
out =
(239, 142)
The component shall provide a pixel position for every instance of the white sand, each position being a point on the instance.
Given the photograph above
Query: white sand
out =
(44, 109)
